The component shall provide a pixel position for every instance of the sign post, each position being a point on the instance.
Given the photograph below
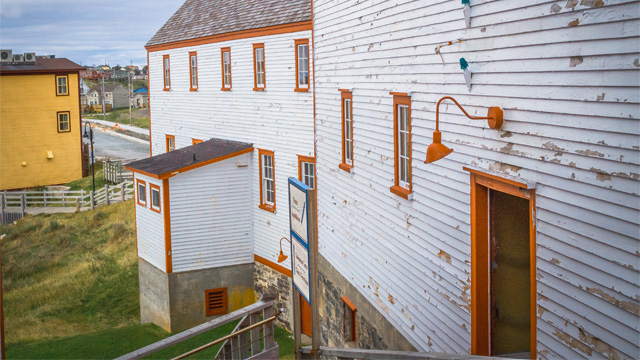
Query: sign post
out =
(304, 250)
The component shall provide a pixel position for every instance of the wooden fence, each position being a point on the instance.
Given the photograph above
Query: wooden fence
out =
(12, 202)
(113, 171)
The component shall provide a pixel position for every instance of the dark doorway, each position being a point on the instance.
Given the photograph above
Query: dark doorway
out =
(510, 277)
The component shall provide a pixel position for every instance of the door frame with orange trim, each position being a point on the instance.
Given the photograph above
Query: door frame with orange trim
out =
(481, 183)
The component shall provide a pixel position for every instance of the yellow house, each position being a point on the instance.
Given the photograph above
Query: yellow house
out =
(40, 125)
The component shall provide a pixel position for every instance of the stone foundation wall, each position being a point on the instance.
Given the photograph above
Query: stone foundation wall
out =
(268, 280)
(176, 301)
(373, 331)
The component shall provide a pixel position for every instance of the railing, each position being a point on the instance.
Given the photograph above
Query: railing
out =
(21, 201)
(343, 353)
(114, 172)
(243, 343)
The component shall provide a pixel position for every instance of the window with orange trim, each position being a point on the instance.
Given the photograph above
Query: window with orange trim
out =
(193, 71)
(226, 68)
(167, 72)
(171, 143)
(402, 145)
(302, 65)
(259, 74)
(307, 170)
(195, 141)
(347, 130)
(267, 181)
(141, 187)
(154, 191)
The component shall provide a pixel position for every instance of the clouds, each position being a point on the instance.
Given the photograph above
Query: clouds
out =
(85, 32)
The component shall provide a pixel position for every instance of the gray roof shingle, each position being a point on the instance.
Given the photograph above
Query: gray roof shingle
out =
(201, 18)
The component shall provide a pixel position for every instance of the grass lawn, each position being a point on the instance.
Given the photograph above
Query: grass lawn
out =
(140, 117)
(70, 286)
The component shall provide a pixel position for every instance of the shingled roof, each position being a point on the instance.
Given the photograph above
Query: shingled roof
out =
(202, 18)
(174, 162)
(54, 65)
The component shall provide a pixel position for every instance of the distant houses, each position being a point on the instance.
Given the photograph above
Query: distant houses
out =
(140, 98)
(114, 94)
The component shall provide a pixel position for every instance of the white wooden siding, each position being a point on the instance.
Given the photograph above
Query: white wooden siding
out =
(570, 98)
(211, 216)
(150, 227)
(277, 119)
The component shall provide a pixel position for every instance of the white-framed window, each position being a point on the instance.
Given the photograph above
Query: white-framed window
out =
(155, 198)
(267, 181)
(302, 64)
(142, 193)
(308, 171)
(404, 138)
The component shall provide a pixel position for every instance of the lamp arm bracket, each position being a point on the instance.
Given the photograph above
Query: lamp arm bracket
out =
(494, 116)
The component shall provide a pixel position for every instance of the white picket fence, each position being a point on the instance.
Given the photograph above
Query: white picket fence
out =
(20, 201)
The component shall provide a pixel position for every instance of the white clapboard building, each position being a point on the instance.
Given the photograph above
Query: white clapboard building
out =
(524, 240)
(231, 107)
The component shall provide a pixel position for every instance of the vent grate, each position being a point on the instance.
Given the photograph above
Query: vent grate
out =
(216, 301)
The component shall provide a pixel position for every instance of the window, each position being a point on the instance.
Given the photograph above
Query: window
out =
(267, 181)
(195, 141)
(347, 130)
(155, 197)
(349, 320)
(193, 71)
(62, 85)
(63, 121)
(171, 143)
(258, 67)
(402, 144)
(307, 170)
(226, 68)
(302, 65)
(167, 72)
(142, 193)
(216, 301)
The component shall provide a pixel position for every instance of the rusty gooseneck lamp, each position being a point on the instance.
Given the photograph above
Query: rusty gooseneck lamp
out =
(437, 151)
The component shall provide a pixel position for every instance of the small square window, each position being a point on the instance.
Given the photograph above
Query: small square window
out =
(155, 197)
(64, 124)
(142, 193)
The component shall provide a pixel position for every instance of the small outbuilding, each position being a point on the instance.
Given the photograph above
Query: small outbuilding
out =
(194, 223)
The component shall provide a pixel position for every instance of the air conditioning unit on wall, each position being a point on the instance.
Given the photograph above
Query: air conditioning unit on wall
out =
(6, 56)
(18, 58)
(29, 57)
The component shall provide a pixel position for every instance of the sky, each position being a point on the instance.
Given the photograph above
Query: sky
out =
(86, 32)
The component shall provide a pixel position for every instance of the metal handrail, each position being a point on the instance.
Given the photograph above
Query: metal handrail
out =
(227, 337)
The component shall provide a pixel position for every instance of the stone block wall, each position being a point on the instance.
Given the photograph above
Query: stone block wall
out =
(268, 280)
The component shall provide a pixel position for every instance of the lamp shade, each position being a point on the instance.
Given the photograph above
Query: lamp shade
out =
(436, 150)
(282, 257)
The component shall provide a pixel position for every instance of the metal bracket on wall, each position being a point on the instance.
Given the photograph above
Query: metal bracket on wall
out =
(448, 43)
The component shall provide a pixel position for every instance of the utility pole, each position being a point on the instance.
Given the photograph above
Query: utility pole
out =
(104, 105)
(130, 99)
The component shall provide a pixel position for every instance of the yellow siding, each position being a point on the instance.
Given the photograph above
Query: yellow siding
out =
(28, 131)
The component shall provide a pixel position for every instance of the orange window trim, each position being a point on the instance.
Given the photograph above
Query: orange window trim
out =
(222, 51)
(174, 141)
(263, 206)
(167, 226)
(195, 141)
(255, 68)
(346, 94)
(242, 34)
(301, 42)
(135, 215)
(401, 99)
(190, 167)
(167, 86)
(191, 87)
(149, 107)
(159, 208)
(301, 159)
(353, 316)
(144, 183)
(56, 79)
(481, 183)
(271, 264)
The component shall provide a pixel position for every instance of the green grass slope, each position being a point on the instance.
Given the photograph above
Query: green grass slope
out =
(70, 285)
